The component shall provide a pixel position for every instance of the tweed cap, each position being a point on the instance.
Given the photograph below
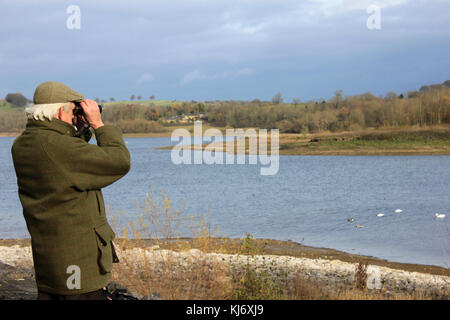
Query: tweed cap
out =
(55, 92)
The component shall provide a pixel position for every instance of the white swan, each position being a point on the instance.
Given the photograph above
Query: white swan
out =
(380, 215)
(439, 215)
(398, 211)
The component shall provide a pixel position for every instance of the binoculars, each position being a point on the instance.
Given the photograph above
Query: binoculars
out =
(78, 110)
(83, 126)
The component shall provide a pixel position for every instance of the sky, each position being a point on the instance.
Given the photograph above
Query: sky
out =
(224, 49)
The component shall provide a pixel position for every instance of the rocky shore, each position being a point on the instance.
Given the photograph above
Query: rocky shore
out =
(323, 266)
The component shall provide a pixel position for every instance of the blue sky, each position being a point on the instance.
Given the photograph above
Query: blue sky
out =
(224, 49)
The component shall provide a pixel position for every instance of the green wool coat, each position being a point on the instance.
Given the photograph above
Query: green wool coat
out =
(60, 177)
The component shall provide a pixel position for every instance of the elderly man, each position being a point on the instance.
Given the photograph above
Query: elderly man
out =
(60, 177)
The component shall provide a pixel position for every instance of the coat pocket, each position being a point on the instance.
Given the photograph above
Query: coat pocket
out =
(104, 235)
(100, 202)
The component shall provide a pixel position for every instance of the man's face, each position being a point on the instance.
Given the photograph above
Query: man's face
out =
(67, 115)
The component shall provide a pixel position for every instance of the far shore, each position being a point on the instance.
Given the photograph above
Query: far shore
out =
(431, 140)
(9, 134)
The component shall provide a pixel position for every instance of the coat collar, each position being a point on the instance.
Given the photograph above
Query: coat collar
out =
(55, 125)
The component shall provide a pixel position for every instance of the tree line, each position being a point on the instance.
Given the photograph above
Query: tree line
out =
(429, 105)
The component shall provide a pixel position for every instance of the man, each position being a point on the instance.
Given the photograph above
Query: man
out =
(60, 177)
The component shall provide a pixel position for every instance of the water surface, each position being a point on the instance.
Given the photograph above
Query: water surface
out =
(308, 201)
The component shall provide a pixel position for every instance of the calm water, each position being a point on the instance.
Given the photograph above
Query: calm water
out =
(308, 201)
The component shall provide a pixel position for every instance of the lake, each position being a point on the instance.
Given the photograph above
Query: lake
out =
(309, 200)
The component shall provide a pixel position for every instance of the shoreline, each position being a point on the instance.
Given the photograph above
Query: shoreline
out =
(204, 268)
(266, 246)
(329, 152)
(291, 249)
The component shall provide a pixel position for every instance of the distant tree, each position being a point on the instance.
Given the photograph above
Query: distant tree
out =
(139, 97)
(112, 99)
(401, 96)
(296, 101)
(435, 87)
(424, 89)
(132, 97)
(152, 97)
(446, 83)
(201, 107)
(391, 95)
(97, 100)
(277, 98)
(368, 96)
(337, 99)
(413, 94)
(16, 99)
(103, 100)
(318, 101)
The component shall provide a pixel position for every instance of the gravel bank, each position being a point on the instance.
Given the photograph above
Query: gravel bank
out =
(17, 279)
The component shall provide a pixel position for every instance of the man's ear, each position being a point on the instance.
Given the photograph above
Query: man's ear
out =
(60, 111)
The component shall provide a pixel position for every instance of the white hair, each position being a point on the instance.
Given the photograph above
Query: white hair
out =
(46, 110)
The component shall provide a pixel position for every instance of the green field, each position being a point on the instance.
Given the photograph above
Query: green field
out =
(9, 107)
(426, 141)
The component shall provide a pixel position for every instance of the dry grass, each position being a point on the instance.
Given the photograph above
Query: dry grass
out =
(361, 275)
(198, 278)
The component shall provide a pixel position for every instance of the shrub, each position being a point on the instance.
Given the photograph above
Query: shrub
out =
(12, 121)
(361, 275)
(139, 126)
(16, 99)
(253, 282)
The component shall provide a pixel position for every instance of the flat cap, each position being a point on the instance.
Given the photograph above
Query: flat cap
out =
(55, 92)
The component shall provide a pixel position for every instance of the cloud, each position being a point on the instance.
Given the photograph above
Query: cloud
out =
(246, 29)
(146, 77)
(305, 49)
(192, 76)
(197, 75)
(334, 7)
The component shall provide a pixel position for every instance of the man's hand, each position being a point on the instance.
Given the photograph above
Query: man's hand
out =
(92, 113)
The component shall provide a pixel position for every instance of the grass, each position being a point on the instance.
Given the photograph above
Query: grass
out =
(384, 142)
(197, 278)
(9, 107)
(173, 267)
